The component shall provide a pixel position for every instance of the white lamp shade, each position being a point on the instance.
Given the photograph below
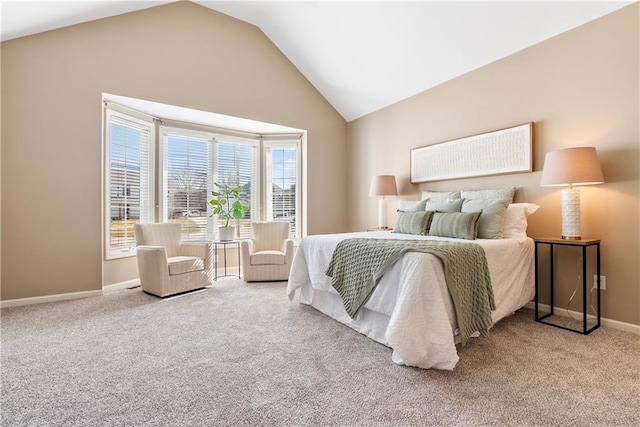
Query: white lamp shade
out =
(383, 185)
(572, 166)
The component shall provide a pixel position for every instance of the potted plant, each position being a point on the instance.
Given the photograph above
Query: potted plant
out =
(228, 205)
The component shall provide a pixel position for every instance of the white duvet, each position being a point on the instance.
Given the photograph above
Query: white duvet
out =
(411, 310)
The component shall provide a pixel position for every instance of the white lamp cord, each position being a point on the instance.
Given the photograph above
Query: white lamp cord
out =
(575, 290)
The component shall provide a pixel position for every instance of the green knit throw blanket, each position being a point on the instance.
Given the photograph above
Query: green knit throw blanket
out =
(358, 264)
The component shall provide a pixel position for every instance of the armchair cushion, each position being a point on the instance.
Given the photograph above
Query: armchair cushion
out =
(267, 258)
(184, 264)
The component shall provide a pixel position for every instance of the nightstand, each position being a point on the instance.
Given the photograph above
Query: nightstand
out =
(582, 245)
(380, 229)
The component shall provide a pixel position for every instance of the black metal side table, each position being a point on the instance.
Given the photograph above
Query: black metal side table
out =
(224, 244)
(583, 244)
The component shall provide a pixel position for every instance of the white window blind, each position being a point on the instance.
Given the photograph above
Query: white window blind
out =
(128, 186)
(186, 189)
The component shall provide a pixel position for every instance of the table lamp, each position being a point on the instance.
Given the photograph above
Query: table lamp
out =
(381, 186)
(571, 166)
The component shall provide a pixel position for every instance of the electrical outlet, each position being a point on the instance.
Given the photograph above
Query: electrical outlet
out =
(603, 282)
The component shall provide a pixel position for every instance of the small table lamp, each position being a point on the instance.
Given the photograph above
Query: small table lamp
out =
(571, 166)
(383, 185)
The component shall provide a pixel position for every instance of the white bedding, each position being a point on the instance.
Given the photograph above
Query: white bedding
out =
(411, 310)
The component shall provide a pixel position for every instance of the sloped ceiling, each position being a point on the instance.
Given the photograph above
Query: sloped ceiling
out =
(361, 55)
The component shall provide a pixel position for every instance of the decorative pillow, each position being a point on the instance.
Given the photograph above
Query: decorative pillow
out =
(515, 224)
(411, 205)
(493, 213)
(413, 222)
(449, 205)
(499, 193)
(440, 195)
(459, 225)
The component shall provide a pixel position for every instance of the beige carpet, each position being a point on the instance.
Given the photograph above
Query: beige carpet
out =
(242, 354)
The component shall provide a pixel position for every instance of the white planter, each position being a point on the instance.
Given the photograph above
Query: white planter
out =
(226, 233)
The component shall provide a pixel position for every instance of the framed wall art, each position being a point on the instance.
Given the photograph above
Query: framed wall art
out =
(499, 152)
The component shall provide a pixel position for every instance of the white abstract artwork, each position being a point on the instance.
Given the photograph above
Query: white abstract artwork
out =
(492, 153)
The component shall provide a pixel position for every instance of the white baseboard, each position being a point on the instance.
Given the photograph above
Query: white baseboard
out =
(48, 298)
(615, 324)
(121, 286)
(71, 295)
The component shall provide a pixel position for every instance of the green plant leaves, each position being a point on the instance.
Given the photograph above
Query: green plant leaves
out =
(227, 203)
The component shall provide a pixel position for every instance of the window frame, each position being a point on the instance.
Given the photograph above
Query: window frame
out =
(256, 203)
(213, 139)
(164, 132)
(267, 204)
(109, 113)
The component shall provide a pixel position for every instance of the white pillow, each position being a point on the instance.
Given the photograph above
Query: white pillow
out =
(437, 196)
(412, 205)
(515, 224)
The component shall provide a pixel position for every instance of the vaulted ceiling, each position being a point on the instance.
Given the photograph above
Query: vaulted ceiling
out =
(361, 55)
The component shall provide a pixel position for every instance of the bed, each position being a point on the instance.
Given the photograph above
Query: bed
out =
(411, 310)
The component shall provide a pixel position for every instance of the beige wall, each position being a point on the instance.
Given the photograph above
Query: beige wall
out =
(181, 54)
(581, 89)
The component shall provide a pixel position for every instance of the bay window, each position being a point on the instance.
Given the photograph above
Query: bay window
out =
(165, 172)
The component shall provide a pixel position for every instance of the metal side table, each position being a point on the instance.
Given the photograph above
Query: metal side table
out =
(583, 245)
(224, 244)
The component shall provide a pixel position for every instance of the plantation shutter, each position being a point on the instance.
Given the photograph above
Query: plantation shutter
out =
(282, 166)
(187, 183)
(236, 165)
(128, 181)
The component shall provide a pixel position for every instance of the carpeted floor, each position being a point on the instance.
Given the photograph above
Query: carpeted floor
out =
(241, 354)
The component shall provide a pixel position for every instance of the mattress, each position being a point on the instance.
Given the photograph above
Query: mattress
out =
(410, 310)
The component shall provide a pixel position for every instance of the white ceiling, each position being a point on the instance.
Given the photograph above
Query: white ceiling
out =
(361, 55)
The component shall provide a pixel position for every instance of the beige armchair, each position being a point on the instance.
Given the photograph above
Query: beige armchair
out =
(168, 266)
(267, 256)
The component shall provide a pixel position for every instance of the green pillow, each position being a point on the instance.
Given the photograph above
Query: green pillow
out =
(493, 214)
(413, 222)
(459, 225)
(449, 205)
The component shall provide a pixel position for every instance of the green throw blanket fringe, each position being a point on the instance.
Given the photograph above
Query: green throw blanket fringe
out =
(358, 264)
